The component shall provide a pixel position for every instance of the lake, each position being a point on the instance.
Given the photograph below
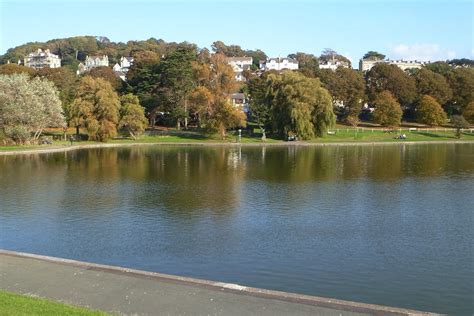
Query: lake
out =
(385, 224)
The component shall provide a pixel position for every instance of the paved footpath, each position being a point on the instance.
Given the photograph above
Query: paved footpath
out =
(134, 292)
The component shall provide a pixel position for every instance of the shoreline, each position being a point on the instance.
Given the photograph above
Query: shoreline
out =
(231, 292)
(67, 148)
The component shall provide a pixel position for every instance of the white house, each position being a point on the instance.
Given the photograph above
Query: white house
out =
(42, 59)
(333, 64)
(240, 100)
(122, 68)
(279, 64)
(92, 62)
(367, 64)
(239, 64)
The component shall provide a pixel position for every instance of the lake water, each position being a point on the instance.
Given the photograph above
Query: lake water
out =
(390, 225)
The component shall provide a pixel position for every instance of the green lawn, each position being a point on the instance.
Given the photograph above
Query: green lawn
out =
(15, 305)
(341, 135)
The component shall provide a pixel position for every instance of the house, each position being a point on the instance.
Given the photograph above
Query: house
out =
(333, 64)
(122, 68)
(42, 59)
(279, 64)
(240, 100)
(239, 64)
(92, 62)
(367, 64)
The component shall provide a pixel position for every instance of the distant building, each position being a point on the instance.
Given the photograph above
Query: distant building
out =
(92, 62)
(239, 64)
(278, 64)
(122, 68)
(42, 59)
(333, 64)
(367, 64)
(240, 100)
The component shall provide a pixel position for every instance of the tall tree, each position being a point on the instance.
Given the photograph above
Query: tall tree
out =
(132, 115)
(430, 112)
(260, 104)
(177, 80)
(461, 81)
(308, 64)
(373, 55)
(385, 77)
(387, 110)
(107, 74)
(433, 84)
(347, 86)
(299, 105)
(216, 81)
(468, 112)
(28, 106)
(96, 107)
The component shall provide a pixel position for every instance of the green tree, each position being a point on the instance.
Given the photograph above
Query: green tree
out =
(433, 84)
(391, 78)
(132, 116)
(27, 107)
(96, 107)
(372, 55)
(468, 112)
(461, 81)
(260, 105)
(308, 64)
(348, 86)
(329, 54)
(440, 67)
(430, 112)
(176, 81)
(299, 105)
(459, 123)
(387, 110)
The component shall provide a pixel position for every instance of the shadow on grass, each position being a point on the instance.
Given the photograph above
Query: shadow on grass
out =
(428, 134)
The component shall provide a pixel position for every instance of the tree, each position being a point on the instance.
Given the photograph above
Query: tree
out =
(299, 105)
(348, 86)
(66, 81)
(459, 122)
(176, 81)
(372, 55)
(387, 110)
(440, 67)
(468, 112)
(107, 74)
(96, 107)
(216, 81)
(27, 107)
(9, 69)
(308, 64)
(132, 115)
(329, 54)
(260, 105)
(219, 47)
(430, 112)
(433, 84)
(385, 77)
(461, 81)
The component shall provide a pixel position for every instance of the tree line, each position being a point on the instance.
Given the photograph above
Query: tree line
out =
(181, 84)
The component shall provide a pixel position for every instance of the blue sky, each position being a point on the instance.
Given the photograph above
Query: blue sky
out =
(427, 30)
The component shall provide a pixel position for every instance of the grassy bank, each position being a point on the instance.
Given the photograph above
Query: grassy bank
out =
(14, 305)
(338, 135)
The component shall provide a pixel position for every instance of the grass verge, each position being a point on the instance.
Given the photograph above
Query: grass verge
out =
(15, 305)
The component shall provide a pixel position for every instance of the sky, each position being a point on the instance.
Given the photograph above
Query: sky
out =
(423, 29)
